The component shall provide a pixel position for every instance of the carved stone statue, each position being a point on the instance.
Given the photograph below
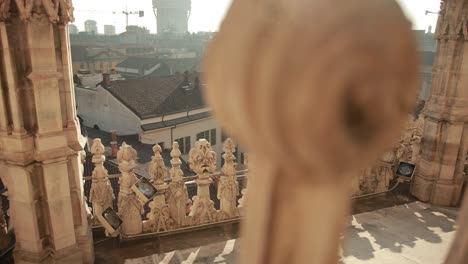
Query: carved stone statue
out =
(101, 194)
(176, 194)
(130, 208)
(416, 138)
(203, 161)
(404, 150)
(336, 115)
(228, 187)
(159, 217)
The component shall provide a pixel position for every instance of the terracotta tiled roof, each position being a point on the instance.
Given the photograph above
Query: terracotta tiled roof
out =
(156, 96)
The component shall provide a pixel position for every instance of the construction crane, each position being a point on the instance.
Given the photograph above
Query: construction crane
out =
(432, 12)
(140, 13)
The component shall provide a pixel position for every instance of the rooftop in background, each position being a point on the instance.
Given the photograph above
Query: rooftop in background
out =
(158, 96)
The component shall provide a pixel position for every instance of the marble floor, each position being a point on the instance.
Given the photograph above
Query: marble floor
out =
(404, 234)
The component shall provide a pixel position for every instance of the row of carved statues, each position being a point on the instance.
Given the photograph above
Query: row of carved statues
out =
(377, 177)
(168, 208)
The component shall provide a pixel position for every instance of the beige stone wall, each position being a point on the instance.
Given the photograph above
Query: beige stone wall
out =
(39, 135)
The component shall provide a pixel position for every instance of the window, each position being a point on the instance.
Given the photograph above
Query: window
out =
(204, 134)
(213, 137)
(223, 136)
(184, 144)
(209, 135)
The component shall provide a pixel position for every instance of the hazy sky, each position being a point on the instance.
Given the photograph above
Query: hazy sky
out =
(206, 14)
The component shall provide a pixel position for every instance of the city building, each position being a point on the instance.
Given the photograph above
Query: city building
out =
(159, 109)
(95, 59)
(172, 15)
(91, 26)
(73, 29)
(109, 30)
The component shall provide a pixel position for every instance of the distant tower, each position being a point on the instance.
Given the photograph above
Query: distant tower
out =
(91, 26)
(109, 30)
(172, 15)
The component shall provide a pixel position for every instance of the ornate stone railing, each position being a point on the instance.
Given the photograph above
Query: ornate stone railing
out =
(168, 210)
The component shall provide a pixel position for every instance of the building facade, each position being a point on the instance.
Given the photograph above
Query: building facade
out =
(109, 30)
(91, 26)
(96, 59)
(172, 15)
(160, 111)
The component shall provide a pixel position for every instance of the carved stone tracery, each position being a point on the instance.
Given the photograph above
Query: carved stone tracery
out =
(176, 194)
(203, 161)
(228, 187)
(56, 11)
(130, 208)
(101, 194)
(159, 218)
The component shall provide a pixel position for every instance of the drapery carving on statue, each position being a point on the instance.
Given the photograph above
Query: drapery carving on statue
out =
(176, 194)
(228, 187)
(55, 11)
(203, 161)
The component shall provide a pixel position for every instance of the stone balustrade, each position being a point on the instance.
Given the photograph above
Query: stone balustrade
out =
(170, 208)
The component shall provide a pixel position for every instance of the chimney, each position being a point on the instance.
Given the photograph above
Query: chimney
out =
(114, 143)
(106, 80)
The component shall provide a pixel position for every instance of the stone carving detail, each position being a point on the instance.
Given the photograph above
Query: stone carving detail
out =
(159, 217)
(176, 194)
(203, 161)
(416, 138)
(244, 191)
(228, 187)
(4, 9)
(130, 208)
(101, 194)
(403, 152)
(55, 10)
